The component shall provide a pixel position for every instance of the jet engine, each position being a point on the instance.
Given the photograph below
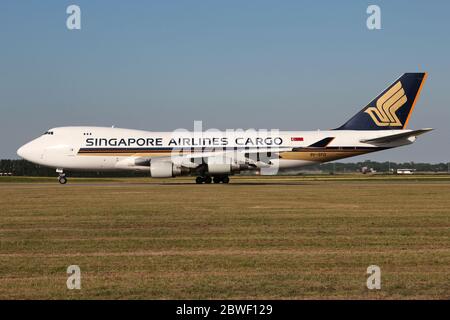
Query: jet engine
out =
(224, 165)
(222, 168)
(164, 169)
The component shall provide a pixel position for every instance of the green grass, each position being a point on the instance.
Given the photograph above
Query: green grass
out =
(25, 179)
(352, 177)
(277, 237)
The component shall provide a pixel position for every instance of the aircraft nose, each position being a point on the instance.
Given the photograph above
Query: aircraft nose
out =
(24, 151)
(21, 151)
(32, 151)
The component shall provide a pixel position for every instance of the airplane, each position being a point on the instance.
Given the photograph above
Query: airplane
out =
(212, 156)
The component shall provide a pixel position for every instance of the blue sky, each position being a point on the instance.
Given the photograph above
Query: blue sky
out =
(160, 65)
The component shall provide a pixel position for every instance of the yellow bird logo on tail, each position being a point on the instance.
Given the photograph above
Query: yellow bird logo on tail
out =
(387, 105)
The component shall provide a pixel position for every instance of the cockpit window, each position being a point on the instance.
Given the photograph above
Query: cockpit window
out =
(48, 132)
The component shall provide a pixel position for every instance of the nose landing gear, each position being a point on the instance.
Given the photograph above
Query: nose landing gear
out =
(62, 179)
(62, 176)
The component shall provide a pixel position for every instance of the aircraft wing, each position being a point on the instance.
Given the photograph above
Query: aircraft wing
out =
(239, 156)
(235, 152)
(396, 137)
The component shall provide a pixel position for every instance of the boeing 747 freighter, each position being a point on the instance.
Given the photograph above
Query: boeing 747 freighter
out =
(213, 156)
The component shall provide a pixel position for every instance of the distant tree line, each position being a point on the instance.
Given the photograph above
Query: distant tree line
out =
(340, 167)
(25, 168)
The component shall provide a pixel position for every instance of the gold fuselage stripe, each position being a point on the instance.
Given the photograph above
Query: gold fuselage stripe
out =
(309, 154)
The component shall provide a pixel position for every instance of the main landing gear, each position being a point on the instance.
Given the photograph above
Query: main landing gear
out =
(215, 179)
(62, 176)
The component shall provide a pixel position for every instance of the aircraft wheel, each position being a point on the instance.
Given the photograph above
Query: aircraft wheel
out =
(225, 179)
(62, 180)
(199, 180)
(208, 179)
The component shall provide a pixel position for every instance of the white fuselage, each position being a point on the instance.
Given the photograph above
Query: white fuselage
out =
(103, 149)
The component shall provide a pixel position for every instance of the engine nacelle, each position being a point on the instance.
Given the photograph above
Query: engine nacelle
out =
(222, 168)
(164, 169)
(219, 168)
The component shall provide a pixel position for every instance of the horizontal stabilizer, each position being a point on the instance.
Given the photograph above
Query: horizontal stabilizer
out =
(396, 137)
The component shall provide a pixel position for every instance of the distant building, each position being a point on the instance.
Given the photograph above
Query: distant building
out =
(405, 171)
(365, 170)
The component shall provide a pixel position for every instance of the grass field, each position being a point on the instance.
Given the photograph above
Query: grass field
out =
(278, 237)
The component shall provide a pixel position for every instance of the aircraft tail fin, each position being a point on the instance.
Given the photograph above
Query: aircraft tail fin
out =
(392, 108)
